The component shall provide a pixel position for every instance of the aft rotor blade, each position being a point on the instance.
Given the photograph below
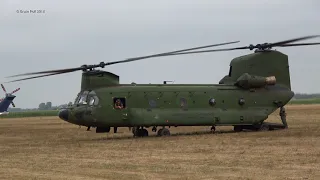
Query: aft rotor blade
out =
(293, 40)
(299, 44)
(230, 49)
(52, 74)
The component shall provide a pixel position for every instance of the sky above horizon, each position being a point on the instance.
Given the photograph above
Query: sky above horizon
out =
(76, 32)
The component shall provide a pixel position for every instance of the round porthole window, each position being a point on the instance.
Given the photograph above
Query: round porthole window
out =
(183, 102)
(241, 101)
(152, 103)
(212, 102)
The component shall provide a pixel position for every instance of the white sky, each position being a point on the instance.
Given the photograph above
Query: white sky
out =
(74, 32)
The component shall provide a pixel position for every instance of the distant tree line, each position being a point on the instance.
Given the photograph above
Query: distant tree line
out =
(42, 106)
(306, 96)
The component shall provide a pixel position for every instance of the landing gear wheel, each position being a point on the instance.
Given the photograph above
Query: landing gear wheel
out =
(159, 132)
(139, 132)
(264, 127)
(163, 132)
(115, 129)
(237, 128)
(144, 132)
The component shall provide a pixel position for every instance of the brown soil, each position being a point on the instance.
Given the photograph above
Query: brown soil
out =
(49, 148)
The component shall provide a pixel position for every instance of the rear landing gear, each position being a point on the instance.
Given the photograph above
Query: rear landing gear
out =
(163, 132)
(283, 116)
(139, 132)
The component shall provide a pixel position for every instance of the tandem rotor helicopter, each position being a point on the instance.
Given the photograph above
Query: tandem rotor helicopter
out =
(257, 84)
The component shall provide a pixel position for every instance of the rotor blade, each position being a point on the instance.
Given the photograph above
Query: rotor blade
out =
(15, 91)
(292, 40)
(299, 44)
(4, 89)
(50, 71)
(205, 51)
(127, 60)
(52, 74)
(164, 54)
(230, 49)
(13, 104)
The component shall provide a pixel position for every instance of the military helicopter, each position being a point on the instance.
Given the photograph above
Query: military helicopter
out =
(257, 84)
(7, 100)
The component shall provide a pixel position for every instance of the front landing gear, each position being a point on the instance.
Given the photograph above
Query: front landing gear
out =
(141, 132)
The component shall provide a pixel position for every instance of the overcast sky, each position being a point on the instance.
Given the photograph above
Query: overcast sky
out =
(74, 32)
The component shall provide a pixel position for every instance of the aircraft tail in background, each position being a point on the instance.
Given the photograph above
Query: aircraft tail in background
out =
(5, 103)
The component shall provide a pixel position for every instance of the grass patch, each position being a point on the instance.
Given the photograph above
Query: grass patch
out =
(305, 101)
(31, 114)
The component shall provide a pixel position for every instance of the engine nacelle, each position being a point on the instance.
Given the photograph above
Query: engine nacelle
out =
(248, 81)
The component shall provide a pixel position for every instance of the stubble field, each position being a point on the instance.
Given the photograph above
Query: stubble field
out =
(48, 148)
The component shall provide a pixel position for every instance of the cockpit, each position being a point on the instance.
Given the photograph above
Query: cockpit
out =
(87, 98)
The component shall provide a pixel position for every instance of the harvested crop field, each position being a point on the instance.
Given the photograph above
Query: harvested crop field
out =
(49, 148)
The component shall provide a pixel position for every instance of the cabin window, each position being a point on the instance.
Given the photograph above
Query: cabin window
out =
(230, 70)
(212, 102)
(241, 101)
(152, 103)
(183, 102)
(119, 103)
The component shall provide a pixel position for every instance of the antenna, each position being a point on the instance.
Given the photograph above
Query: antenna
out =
(165, 82)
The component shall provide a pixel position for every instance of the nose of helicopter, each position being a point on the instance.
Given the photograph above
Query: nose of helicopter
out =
(63, 114)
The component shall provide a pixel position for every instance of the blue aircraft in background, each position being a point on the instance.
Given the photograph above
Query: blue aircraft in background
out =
(6, 101)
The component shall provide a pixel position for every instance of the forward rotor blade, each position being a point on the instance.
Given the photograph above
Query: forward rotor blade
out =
(13, 104)
(116, 62)
(50, 71)
(4, 89)
(37, 77)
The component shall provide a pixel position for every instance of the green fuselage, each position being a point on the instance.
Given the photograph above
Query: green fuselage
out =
(176, 105)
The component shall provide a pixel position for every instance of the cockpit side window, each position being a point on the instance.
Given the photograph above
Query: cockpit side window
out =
(83, 97)
(77, 99)
(93, 99)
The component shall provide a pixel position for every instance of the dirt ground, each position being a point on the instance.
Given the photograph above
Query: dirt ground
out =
(49, 148)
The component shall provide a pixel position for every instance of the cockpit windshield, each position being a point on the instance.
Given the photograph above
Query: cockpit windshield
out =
(87, 97)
